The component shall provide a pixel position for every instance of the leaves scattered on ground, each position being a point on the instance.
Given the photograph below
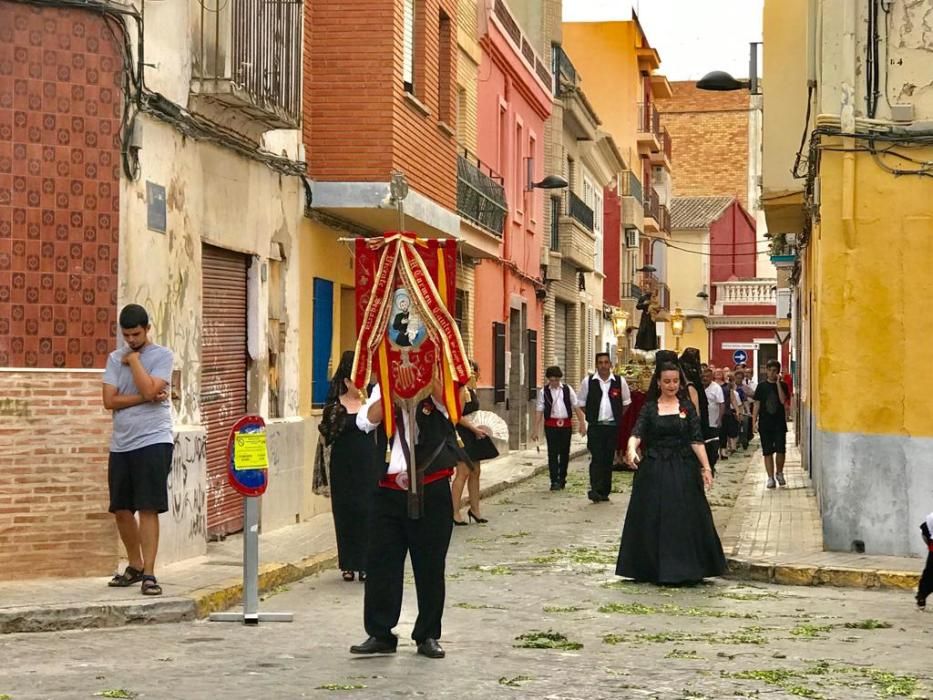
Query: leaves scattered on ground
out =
(869, 624)
(491, 569)
(478, 606)
(746, 635)
(116, 693)
(885, 683)
(536, 639)
(808, 631)
(341, 686)
(562, 609)
(515, 682)
(671, 609)
(515, 535)
(682, 654)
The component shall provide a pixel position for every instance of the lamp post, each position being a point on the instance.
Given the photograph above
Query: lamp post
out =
(677, 326)
(619, 326)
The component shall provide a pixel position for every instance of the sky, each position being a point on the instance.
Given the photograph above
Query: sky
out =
(692, 36)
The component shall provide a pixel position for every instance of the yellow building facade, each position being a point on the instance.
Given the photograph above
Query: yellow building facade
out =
(860, 225)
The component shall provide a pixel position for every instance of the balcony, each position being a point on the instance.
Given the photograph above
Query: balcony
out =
(652, 208)
(664, 220)
(783, 250)
(753, 292)
(480, 195)
(631, 186)
(649, 129)
(247, 58)
(577, 241)
(565, 74)
(663, 156)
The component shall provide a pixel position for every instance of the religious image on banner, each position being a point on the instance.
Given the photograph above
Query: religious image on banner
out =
(405, 286)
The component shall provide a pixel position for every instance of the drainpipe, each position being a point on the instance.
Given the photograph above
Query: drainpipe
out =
(847, 119)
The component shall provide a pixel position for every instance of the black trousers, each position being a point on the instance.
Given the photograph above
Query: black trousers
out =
(712, 453)
(926, 579)
(558, 453)
(392, 536)
(601, 442)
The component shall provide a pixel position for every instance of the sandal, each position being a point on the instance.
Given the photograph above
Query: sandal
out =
(348, 575)
(129, 576)
(151, 586)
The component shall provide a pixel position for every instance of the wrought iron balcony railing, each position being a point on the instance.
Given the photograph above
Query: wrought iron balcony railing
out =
(664, 222)
(480, 195)
(247, 55)
(649, 121)
(578, 209)
(653, 205)
(565, 74)
(666, 143)
(631, 186)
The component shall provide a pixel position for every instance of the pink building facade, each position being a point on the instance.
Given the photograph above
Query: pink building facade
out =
(514, 101)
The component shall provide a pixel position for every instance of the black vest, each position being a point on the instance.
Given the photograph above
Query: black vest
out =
(549, 401)
(434, 431)
(594, 397)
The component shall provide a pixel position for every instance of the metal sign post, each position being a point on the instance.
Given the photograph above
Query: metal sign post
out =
(248, 473)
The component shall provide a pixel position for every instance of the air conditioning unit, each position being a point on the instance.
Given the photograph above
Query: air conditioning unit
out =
(632, 238)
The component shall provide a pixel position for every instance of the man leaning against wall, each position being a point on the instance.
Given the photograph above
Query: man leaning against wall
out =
(135, 389)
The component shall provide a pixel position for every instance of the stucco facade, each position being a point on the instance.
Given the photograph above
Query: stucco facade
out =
(863, 248)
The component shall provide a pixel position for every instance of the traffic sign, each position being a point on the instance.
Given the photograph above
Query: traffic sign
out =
(740, 357)
(782, 336)
(247, 457)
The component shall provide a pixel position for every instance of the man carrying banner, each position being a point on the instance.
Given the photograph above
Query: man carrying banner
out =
(405, 287)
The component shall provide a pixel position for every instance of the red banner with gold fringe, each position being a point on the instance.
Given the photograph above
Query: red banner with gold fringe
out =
(405, 287)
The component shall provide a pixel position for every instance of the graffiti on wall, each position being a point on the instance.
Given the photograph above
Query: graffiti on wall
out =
(186, 487)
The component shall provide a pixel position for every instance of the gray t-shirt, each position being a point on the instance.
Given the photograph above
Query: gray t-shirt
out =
(148, 423)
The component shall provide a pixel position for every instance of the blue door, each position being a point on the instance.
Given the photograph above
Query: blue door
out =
(323, 339)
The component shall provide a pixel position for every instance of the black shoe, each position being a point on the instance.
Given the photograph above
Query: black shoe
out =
(604, 499)
(563, 484)
(921, 602)
(555, 486)
(460, 522)
(375, 646)
(430, 648)
(472, 516)
(593, 496)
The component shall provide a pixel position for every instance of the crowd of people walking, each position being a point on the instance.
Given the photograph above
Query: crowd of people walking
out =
(671, 433)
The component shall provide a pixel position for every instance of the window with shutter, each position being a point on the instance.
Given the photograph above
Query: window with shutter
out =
(532, 344)
(498, 354)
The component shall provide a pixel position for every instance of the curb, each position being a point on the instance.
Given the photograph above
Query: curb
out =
(56, 618)
(808, 575)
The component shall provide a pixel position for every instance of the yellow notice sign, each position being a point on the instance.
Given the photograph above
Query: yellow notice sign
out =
(249, 451)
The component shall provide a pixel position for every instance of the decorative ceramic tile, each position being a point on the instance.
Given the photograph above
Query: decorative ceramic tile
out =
(60, 106)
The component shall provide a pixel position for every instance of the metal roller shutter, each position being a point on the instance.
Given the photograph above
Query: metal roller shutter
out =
(223, 377)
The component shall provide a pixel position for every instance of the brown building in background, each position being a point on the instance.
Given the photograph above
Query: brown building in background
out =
(710, 135)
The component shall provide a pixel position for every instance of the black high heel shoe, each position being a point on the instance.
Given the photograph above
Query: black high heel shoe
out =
(478, 519)
(460, 522)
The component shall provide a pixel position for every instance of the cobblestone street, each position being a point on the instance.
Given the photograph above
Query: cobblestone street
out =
(533, 611)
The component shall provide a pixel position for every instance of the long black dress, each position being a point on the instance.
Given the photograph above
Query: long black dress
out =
(354, 477)
(477, 449)
(669, 536)
(647, 336)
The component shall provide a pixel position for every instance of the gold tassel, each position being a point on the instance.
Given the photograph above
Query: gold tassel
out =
(388, 455)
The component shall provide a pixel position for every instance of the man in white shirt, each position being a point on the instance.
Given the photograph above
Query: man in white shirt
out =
(409, 521)
(555, 406)
(716, 401)
(604, 398)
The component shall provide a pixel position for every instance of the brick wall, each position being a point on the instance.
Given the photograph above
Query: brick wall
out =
(359, 124)
(709, 131)
(53, 476)
(60, 106)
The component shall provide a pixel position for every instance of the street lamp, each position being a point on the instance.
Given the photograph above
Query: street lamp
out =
(677, 326)
(619, 325)
(720, 81)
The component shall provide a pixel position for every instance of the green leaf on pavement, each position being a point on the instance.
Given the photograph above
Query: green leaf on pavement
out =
(341, 686)
(536, 639)
(515, 682)
(116, 693)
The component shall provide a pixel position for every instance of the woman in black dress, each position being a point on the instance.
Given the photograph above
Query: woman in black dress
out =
(353, 470)
(669, 536)
(477, 446)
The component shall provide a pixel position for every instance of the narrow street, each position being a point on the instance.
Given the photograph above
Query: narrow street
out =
(534, 611)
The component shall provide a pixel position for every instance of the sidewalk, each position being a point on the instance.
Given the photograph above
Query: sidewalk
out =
(197, 587)
(775, 535)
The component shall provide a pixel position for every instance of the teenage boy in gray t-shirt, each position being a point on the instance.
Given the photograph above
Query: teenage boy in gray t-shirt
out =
(136, 390)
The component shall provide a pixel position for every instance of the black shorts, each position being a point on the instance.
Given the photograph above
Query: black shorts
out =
(772, 441)
(139, 478)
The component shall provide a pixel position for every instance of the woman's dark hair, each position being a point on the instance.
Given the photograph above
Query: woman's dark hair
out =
(690, 362)
(666, 361)
(344, 370)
